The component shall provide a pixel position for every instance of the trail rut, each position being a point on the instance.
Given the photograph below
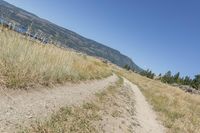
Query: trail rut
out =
(19, 107)
(145, 116)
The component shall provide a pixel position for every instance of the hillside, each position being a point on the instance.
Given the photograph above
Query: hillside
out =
(65, 37)
(25, 95)
(50, 89)
(48, 84)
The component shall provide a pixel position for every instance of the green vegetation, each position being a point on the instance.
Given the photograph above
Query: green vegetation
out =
(148, 73)
(170, 79)
(26, 63)
(127, 67)
(196, 82)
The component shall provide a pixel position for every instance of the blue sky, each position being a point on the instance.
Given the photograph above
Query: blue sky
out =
(158, 34)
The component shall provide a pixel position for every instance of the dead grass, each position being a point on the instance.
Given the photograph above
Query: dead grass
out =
(25, 63)
(86, 118)
(69, 120)
(179, 111)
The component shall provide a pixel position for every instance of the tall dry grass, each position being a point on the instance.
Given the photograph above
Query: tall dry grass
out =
(179, 111)
(26, 63)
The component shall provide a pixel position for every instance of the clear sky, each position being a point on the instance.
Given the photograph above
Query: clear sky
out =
(157, 34)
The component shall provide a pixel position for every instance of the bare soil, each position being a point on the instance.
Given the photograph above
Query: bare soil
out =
(19, 107)
(126, 111)
(145, 116)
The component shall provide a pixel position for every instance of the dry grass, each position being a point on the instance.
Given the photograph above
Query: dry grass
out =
(78, 119)
(112, 110)
(179, 111)
(68, 120)
(25, 63)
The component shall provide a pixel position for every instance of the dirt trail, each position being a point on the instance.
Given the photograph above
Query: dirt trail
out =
(22, 107)
(145, 116)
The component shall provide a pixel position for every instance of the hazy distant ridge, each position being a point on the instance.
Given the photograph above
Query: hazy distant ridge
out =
(66, 37)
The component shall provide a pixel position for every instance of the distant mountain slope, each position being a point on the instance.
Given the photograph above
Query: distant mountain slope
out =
(66, 37)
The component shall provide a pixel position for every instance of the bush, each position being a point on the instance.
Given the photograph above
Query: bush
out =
(147, 73)
(127, 67)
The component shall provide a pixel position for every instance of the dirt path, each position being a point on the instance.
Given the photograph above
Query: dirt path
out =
(145, 116)
(22, 107)
(118, 113)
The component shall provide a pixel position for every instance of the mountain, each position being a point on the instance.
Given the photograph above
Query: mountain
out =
(65, 37)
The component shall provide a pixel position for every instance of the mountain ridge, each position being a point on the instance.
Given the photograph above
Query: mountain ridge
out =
(65, 37)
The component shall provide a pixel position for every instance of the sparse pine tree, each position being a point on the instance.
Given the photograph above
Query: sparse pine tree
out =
(167, 78)
(196, 82)
(177, 78)
(186, 81)
(147, 73)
